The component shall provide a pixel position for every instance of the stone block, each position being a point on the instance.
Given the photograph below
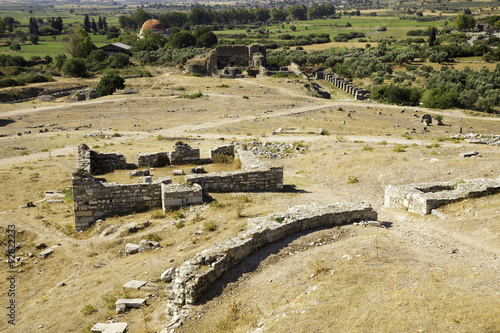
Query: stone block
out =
(134, 284)
(109, 328)
(46, 253)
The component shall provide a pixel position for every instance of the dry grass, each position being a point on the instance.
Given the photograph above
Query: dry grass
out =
(352, 298)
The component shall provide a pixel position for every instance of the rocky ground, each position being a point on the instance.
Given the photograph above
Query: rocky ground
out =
(417, 274)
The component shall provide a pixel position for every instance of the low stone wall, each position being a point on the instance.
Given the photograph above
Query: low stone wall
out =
(99, 163)
(179, 195)
(222, 150)
(185, 154)
(255, 176)
(195, 276)
(423, 198)
(93, 200)
(154, 160)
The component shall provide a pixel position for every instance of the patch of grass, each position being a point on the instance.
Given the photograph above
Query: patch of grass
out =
(318, 266)
(180, 88)
(367, 148)
(116, 135)
(324, 132)
(358, 141)
(383, 143)
(434, 145)
(88, 309)
(192, 96)
(68, 195)
(158, 214)
(352, 179)
(153, 238)
(461, 181)
(245, 97)
(179, 225)
(222, 159)
(209, 226)
(178, 214)
(278, 219)
(223, 86)
(110, 301)
(399, 148)
(159, 137)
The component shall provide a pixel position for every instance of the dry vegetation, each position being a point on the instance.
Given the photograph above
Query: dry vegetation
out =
(420, 273)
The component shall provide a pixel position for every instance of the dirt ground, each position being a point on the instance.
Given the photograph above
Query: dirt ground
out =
(422, 274)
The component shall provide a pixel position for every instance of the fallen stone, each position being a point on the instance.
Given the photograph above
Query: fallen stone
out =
(373, 223)
(179, 172)
(168, 274)
(139, 173)
(54, 201)
(45, 253)
(134, 284)
(109, 328)
(131, 249)
(469, 154)
(123, 304)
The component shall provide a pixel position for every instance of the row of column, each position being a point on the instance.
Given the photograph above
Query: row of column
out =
(345, 85)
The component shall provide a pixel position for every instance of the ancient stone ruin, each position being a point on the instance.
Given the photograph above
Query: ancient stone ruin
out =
(195, 276)
(423, 198)
(225, 59)
(344, 84)
(95, 199)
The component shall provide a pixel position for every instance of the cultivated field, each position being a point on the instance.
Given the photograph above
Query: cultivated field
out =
(417, 274)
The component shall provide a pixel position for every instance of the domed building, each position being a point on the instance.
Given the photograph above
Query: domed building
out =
(155, 26)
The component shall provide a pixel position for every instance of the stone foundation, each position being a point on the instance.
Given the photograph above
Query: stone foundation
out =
(99, 163)
(153, 160)
(255, 176)
(180, 195)
(93, 200)
(195, 276)
(423, 198)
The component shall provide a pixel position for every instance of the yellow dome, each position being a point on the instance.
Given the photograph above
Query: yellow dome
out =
(153, 25)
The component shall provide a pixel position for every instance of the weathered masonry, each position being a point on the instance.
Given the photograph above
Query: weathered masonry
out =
(95, 200)
(423, 198)
(99, 163)
(344, 84)
(195, 276)
(255, 176)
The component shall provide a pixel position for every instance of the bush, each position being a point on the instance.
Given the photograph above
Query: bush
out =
(120, 60)
(76, 67)
(397, 95)
(109, 84)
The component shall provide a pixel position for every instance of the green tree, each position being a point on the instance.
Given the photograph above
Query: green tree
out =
(208, 39)
(76, 67)
(3, 27)
(79, 44)
(9, 23)
(60, 60)
(120, 60)
(278, 14)
(432, 36)
(34, 39)
(109, 84)
(298, 12)
(86, 23)
(33, 26)
(15, 47)
(181, 40)
(463, 22)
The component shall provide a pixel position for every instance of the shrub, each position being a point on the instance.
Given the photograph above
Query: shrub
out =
(209, 226)
(399, 148)
(88, 309)
(153, 238)
(75, 67)
(222, 158)
(192, 96)
(352, 179)
(397, 95)
(109, 84)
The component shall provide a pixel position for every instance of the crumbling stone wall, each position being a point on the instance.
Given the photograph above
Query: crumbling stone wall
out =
(423, 198)
(222, 150)
(154, 160)
(255, 176)
(94, 200)
(195, 276)
(100, 163)
(180, 195)
(185, 154)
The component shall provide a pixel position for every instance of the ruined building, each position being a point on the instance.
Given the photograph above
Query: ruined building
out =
(229, 60)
